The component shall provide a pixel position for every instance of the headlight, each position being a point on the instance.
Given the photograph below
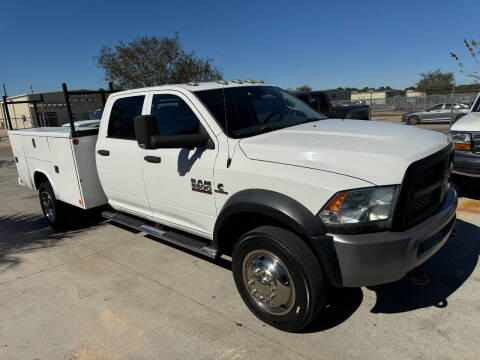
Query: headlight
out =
(360, 210)
(461, 140)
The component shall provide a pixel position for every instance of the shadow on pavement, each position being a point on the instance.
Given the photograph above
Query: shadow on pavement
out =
(448, 270)
(340, 305)
(8, 162)
(25, 233)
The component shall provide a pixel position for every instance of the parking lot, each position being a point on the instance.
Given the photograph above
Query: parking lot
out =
(104, 292)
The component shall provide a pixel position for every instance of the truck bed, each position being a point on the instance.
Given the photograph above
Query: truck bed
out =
(68, 163)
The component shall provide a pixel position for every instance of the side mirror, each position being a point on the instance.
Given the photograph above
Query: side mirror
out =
(145, 127)
(189, 141)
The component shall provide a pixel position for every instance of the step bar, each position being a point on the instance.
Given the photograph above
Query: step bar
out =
(169, 236)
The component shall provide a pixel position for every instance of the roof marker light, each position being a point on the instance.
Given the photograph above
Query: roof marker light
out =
(237, 81)
(249, 81)
(223, 82)
(192, 83)
(260, 81)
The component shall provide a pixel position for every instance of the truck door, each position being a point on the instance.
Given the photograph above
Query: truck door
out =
(118, 156)
(179, 182)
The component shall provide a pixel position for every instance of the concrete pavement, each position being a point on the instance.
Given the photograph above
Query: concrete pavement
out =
(108, 293)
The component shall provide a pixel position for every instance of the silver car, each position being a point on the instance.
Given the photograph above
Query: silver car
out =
(443, 112)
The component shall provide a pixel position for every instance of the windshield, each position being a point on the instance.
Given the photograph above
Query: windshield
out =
(252, 110)
(476, 106)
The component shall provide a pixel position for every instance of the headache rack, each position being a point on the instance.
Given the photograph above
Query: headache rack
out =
(423, 189)
(66, 93)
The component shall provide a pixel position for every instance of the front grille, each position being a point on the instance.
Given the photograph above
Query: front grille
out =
(476, 142)
(423, 190)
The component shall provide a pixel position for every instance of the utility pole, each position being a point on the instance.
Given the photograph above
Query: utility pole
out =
(31, 88)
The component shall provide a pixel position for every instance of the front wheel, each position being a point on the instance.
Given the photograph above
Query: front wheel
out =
(278, 277)
(413, 120)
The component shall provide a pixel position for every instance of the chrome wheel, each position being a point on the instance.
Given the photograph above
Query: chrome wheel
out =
(268, 282)
(48, 206)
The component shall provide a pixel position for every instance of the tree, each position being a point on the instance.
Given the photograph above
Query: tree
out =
(304, 88)
(473, 48)
(150, 61)
(435, 82)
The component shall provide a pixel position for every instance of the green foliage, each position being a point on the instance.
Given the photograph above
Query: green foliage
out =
(435, 82)
(304, 88)
(473, 48)
(150, 61)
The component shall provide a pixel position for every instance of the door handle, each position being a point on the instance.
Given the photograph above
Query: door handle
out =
(152, 159)
(103, 152)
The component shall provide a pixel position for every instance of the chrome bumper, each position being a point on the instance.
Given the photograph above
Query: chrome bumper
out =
(382, 257)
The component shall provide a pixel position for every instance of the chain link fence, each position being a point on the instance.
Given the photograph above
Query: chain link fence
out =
(399, 103)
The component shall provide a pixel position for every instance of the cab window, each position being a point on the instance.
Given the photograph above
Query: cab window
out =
(437, 107)
(174, 116)
(124, 110)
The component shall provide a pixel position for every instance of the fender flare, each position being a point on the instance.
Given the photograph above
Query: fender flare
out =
(273, 204)
(48, 178)
(290, 212)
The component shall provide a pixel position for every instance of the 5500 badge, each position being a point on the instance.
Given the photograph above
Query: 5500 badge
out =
(202, 186)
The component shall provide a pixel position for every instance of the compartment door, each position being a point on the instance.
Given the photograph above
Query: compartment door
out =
(24, 177)
(64, 173)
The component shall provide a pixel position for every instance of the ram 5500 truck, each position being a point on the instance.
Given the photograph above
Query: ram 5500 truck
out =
(247, 170)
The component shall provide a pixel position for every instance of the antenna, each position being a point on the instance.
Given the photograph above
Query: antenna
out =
(229, 159)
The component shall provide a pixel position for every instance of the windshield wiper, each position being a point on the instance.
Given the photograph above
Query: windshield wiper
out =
(265, 129)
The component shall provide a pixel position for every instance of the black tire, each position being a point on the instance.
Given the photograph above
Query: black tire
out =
(59, 216)
(413, 120)
(304, 274)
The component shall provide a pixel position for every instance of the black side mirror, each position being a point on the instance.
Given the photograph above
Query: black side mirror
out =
(188, 141)
(145, 127)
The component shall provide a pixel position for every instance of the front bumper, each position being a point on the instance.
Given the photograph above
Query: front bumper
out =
(382, 257)
(466, 163)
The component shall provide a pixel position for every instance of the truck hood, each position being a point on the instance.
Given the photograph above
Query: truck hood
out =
(469, 122)
(373, 151)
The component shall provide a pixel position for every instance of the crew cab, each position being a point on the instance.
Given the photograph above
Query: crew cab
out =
(465, 133)
(246, 170)
(320, 101)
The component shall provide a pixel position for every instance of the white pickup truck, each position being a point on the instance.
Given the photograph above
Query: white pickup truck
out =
(247, 170)
(465, 133)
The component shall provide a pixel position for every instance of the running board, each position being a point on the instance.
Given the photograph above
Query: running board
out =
(169, 236)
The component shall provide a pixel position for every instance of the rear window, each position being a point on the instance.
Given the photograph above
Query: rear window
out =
(123, 112)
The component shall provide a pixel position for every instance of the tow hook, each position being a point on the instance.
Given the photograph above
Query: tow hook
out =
(418, 276)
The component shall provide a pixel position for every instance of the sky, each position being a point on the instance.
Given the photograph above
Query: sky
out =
(286, 43)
